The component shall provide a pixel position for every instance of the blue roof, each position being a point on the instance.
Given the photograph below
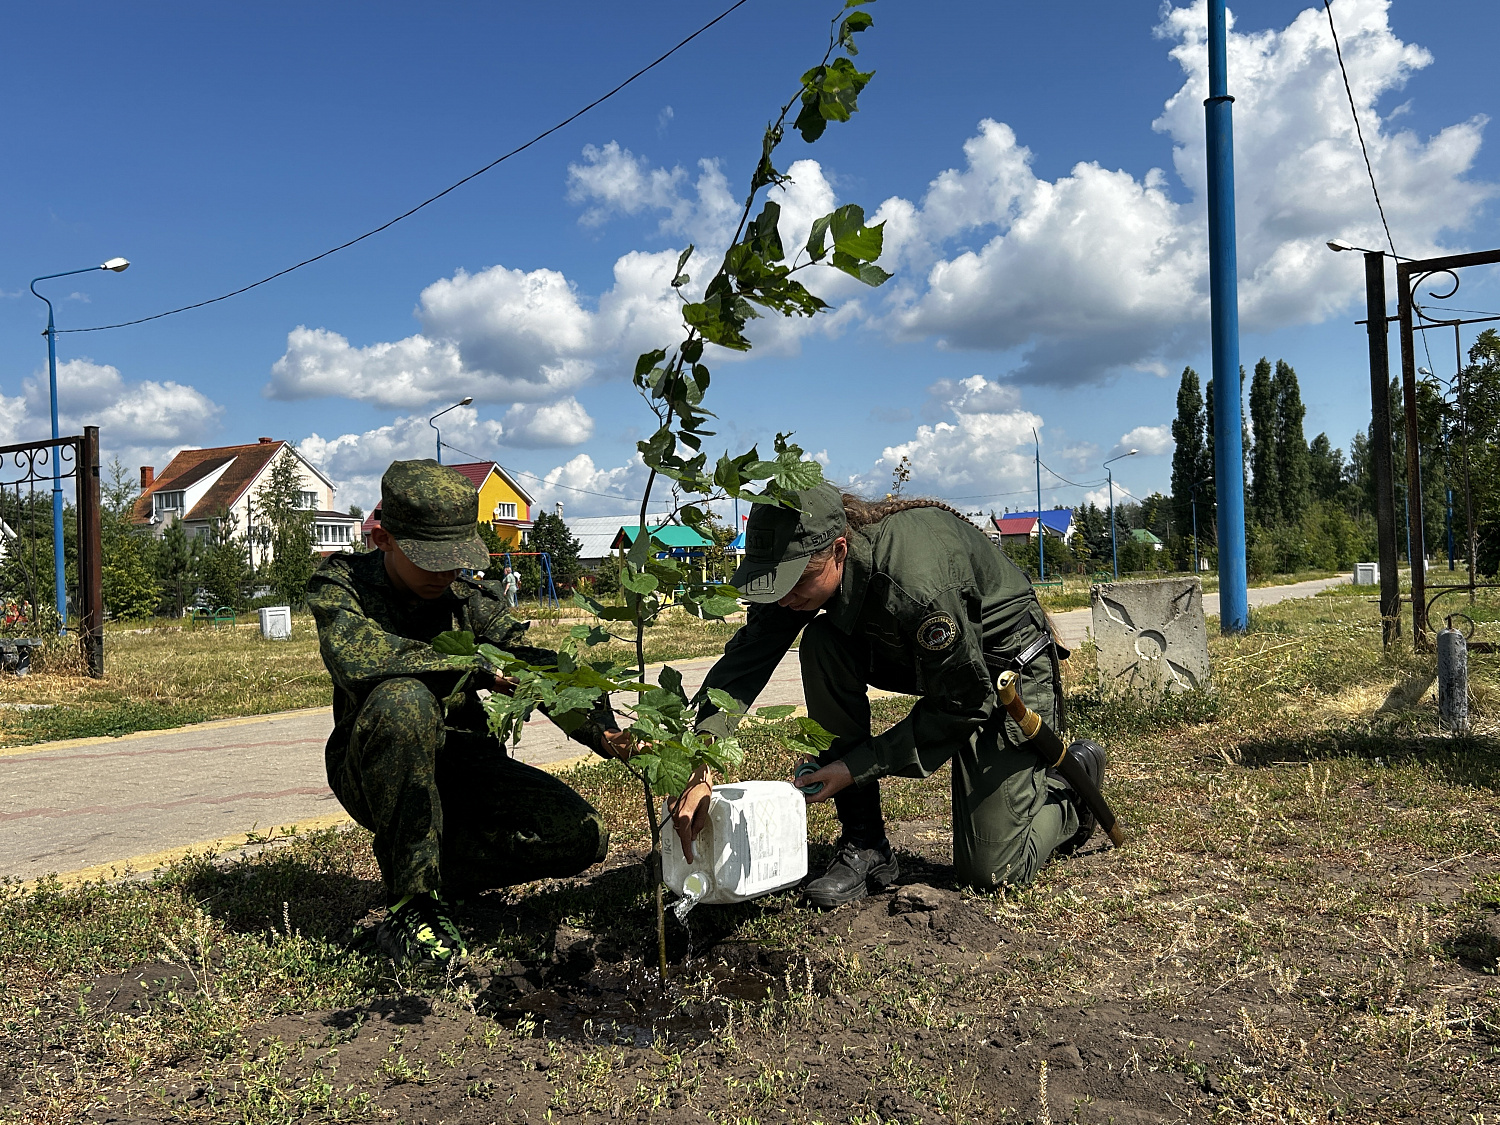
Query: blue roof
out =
(1055, 520)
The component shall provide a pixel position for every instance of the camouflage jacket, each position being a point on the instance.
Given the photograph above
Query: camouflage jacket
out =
(929, 594)
(368, 631)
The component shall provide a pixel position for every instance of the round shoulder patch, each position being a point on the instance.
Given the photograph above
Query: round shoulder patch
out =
(937, 632)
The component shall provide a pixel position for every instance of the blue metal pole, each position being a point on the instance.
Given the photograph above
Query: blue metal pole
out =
(1229, 463)
(59, 566)
(1113, 549)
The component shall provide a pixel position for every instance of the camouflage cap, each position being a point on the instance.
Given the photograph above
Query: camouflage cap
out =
(433, 514)
(779, 541)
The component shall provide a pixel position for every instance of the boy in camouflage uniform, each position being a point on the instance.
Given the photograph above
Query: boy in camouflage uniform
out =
(451, 811)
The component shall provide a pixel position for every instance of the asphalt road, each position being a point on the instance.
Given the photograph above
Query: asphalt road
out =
(100, 806)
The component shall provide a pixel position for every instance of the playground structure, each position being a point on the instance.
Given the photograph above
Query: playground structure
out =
(547, 593)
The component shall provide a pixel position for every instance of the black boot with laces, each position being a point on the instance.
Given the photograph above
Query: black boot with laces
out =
(854, 872)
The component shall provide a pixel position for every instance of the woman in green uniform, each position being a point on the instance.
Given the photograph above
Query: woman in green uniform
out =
(906, 596)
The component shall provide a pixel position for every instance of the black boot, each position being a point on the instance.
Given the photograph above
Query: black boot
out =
(852, 874)
(1093, 759)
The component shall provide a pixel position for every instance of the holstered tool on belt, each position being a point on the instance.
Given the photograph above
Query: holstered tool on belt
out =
(1042, 740)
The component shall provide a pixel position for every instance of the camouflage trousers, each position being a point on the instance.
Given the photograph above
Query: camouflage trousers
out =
(449, 808)
(1008, 814)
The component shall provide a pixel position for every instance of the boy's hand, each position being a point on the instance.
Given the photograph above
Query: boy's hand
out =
(620, 743)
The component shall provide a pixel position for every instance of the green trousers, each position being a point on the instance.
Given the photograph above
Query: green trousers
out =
(449, 808)
(1008, 815)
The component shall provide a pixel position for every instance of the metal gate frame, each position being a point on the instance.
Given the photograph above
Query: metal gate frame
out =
(1409, 275)
(34, 460)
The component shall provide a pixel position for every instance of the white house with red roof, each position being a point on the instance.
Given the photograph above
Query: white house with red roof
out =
(200, 484)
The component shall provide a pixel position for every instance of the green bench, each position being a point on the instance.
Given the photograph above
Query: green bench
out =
(213, 617)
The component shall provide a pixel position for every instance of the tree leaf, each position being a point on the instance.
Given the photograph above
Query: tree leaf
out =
(725, 702)
(641, 582)
(775, 711)
(671, 680)
(455, 643)
(719, 606)
(647, 360)
(815, 239)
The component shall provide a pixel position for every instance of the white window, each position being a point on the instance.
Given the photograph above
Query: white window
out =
(166, 502)
(505, 511)
(309, 501)
(332, 534)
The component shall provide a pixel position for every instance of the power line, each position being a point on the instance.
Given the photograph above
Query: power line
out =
(1358, 132)
(1074, 483)
(431, 199)
(544, 480)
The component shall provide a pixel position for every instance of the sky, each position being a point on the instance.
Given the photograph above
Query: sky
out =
(1039, 169)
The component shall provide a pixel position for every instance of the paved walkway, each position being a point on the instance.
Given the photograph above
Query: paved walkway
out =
(92, 806)
(1073, 625)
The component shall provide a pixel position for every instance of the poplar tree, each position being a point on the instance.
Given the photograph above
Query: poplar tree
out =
(1208, 490)
(1293, 473)
(1265, 488)
(1188, 450)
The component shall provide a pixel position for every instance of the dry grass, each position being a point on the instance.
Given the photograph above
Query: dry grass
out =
(1303, 927)
(168, 675)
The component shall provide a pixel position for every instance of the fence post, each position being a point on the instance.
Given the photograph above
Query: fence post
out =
(90, 554)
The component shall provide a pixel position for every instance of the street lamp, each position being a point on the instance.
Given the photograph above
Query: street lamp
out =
(1194, 488)
(114, 265)
(433, 423)
(1113, 547)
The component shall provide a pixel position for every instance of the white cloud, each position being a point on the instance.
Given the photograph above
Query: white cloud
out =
(1099, 271)
(1149, 441)
(140, 422)
(985, 450)
(974, 395)
(614, 181)
(505, 335)
(564, 422)
(356, 461)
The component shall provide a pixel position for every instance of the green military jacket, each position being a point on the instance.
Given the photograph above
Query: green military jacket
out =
(930, 594)
(368, 632)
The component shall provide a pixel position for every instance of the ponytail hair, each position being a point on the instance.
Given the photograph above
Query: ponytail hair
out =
(860, 513)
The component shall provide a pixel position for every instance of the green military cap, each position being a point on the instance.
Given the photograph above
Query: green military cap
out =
(779, 541)
(433, 514)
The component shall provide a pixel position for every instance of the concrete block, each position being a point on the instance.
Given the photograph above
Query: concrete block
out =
(276, 623)
(1366, 574)
(1151, 636)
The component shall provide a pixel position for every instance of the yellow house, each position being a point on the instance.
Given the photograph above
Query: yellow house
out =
(503, 504)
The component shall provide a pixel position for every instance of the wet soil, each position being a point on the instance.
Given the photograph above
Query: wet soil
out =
(924, 1003)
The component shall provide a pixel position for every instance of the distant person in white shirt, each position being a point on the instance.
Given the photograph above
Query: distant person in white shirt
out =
(511, 585)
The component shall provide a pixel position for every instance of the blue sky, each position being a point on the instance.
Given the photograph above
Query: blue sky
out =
(1050, 280)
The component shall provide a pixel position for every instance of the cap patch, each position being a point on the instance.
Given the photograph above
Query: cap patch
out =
(937, 632)
(761, 584)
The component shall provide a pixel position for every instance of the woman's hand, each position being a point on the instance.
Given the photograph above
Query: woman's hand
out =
(835, 777)
(690, 812)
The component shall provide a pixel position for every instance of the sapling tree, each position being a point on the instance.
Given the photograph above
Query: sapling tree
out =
(754, 278)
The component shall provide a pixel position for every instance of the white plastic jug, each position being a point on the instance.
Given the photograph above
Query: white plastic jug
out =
(755, 842)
